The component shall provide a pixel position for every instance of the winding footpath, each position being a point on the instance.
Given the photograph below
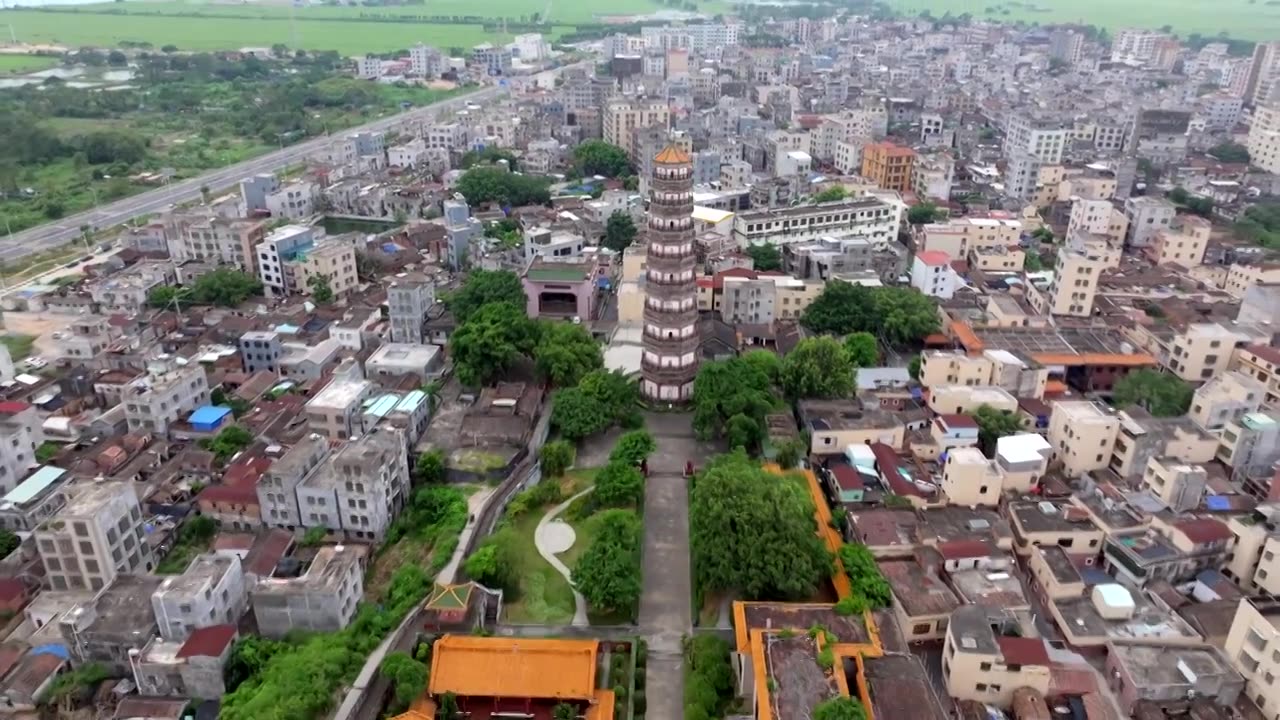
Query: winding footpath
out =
(541, 541)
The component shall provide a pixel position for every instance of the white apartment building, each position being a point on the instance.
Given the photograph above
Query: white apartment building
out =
(1147, 216)
(410, 297)
(408, 155)
(96, 536)
(368, 67)
(20, 434)
(1074, 285)
(169, 391)
(448, 136)
(282, 245)
(361, 489)
(324, 599)
(958, 236)
(220, 241)
(1043, 138)
(1264, 138)
(1135, 45)
(277, 490)
(294, 201)
(870, 218)
(624, 115)
(426, 61)
(704, 38)
(932, 275)
(211, 591)
(334, 411)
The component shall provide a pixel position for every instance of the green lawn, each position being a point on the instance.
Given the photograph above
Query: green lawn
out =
(19, 346)
(545, 597)
(1238, 18)
(15, 64)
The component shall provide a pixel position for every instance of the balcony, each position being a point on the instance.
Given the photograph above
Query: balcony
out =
(671, 346)
(669, 375)
(676, 318)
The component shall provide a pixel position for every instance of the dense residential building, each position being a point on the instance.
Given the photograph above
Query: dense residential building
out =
(171, 389)
(889, 166)
(97, 536)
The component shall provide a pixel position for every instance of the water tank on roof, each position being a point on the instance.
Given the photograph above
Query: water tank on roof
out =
(1113, 601)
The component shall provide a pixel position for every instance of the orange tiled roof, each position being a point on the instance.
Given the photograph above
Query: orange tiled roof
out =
(1127, 359)
(672, 155)
(533, 668)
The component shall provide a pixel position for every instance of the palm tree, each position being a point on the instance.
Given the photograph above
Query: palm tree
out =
(564, 711)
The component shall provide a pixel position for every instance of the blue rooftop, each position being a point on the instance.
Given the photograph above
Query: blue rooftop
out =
(209, 415)
(35, 484)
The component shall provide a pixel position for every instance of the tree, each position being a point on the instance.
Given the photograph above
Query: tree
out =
(818, 367)
(601, 399)
(485, 287)
(618, 485)
(994, 424)
(1178, 195)
(321, 290)
(488, 343)
(314, 536)
(103, 147)
(597, 157)
(169, 48)
(789, 453)
(1158, 393)
(481, 185)
(764, 361)
(1043, 234)
(1230, 152)
(225, 287)
(564, 711)
(47, 452)
(922, 213)
(753, 534)
(8, 542)
(565, 352)
(248, 656)
(1260, 224)
(840, 708)
(608, 573)
(870, 589)
(913, 368)
(431, 467)
(834, 193)
(863, 349)
(1032, 262)
(447, 709)
(709, 686)
(764, 256)
(496, 563)
(406, 675)
(900, 316)
(633, 448)
(229, 441)
(557, 457)
(489, 156)
(726, 389)
(619, 231)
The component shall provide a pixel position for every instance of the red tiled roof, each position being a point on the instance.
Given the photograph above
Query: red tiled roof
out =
(964, 549)
(228, 494)
(1266, 352)
(1023, 651)
(13, 407)
(718, 279)
(1204, 530)
(233, 541)
(958, 422)
(933, 257)
(267, 552)
(210, 641)
(846, 477)
(888, 463)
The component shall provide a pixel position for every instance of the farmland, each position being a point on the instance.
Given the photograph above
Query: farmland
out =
(11, 64)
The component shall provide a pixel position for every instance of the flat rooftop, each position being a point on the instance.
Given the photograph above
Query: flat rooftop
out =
(340, 394)
(1149, 622)
(900, 689)
(330, 566)
(799, 683)
(122, 606)
(921, 594)
(1064, 571)
(993, 588)
(404, 354)
(1050, 516)
(203, 573)
(1161, 666)
(838, 415)
(535, 668)
(801, 617)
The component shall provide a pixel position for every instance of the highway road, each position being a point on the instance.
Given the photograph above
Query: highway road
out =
(44, 237)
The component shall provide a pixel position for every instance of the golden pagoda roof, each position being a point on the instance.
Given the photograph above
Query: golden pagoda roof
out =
(672, 155)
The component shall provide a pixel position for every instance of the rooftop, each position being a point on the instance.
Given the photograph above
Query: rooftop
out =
(920, 593)
(799, 683)
(994, 588)
(534, 668)
(838, 415)
(900, 688)
(35, 485)
(326, 573)
(209, 641)
(1149, 621)
(404, 354)
(1059, 563)
(340, 394)
(1050, 516)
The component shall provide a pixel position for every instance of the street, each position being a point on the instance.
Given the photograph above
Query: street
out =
(43, 237)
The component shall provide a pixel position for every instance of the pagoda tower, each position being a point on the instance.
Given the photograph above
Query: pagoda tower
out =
(671, 343)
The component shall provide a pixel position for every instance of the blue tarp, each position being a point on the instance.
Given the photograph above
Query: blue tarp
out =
(52, 649)
(1217, 502)
(208, 417)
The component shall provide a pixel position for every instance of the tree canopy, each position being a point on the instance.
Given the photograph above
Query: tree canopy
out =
(840, 708)
(229, 441)
(485, 287)
(709, 685)
(608, 574)
(490, 341)
(601, 399)
(994, 424)
(1260, 224)
(619, 485)
(764, 256)
(597, 157)
(1230, 152)
(830, 194)
(492, 184)
(753, 533)
(619, 231)
(565, 352)
(321, 289)
(900, 316)
(1161, 394)
(633, 448)
(556, 458)
(408, 677)
(430, 467)
(923, 213)
(222, 286)
(8, 542)
(863, 349)
(733, 394)
(496, 563)
(818, 367)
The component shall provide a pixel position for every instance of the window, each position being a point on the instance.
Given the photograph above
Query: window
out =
(980, 687)
(985, 667)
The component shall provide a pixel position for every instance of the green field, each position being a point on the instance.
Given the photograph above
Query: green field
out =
(1258, 20)
(566, 11)
(25, 63)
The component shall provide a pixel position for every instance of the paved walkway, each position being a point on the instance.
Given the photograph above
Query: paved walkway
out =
(540, 540)
(666, 616)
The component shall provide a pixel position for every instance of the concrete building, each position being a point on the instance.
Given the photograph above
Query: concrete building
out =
(766, 298)
(211, 591)
(1163, 675)
(169, 391)
(987, 655)
(331, 261)
(1020, 376)
(869, 218)
(1226, 398)
(1261, 362)
(492, 59)
(1182, 244)
(333, 412)
(36, 498)
(22, 429)
(95, 537)
(959, 236)
(1264, 138)
(1074, 286)
(368, 481)
(1067, 46)
(932, 176)
(1083, 435)
(283, 245)
(1144, 437)
(1204, 350)
(295, 201)
(1044, 138)
(426, 61)
(260, 350)
(932, 275)
(221, 241)
(254, 191)
(322, 599)
(1264, 71)
(1098, 217)
(117, 622)
(396, 359)
(1253, 648)
(1160, 135)
(622, 116)
(277, 490)
(1053, 524)
(1251, 443)
(1147, 216)
(957, 399)
(888, 165)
